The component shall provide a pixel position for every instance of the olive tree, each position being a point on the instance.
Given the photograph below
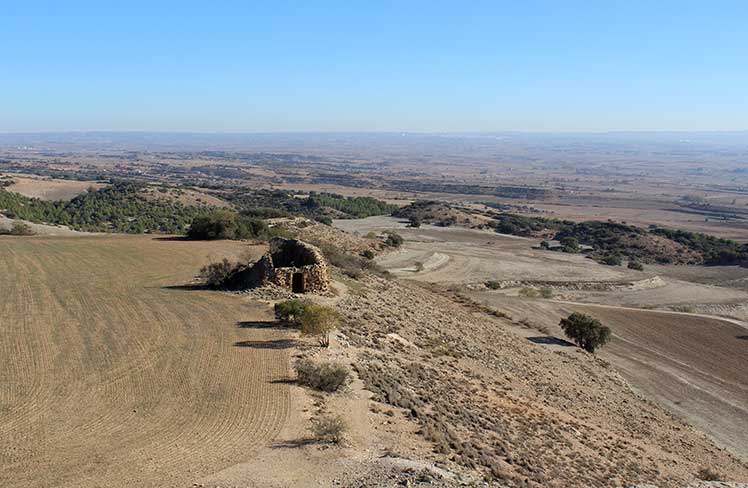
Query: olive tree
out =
(586, 331)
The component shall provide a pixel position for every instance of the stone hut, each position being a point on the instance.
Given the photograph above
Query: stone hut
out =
(289, 263)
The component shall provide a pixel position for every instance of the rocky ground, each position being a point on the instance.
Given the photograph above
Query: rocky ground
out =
(500, 409)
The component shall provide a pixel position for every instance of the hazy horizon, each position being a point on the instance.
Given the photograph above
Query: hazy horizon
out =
(252, 67)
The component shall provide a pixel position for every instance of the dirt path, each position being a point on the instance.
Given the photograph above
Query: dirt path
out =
(111, 378)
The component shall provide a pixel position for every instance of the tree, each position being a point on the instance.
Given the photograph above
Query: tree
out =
(569, 244)
(319, 320)
(290, 310)
(394, 239)
(586, 331)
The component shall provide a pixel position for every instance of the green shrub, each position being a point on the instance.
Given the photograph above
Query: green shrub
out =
(319, 320)
(289, 310)
(610, 260)
(393, 239)
(368, 254)
(569, 244)
(329, 429)
(587, 332)
(546, 292)
(493, 285)
(216, 274)
(414, 221)
(322, 376)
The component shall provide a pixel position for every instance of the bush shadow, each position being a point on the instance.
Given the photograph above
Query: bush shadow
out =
(258, 324)
(274, 344)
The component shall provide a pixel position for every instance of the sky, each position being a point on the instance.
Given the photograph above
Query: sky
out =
(462, 66)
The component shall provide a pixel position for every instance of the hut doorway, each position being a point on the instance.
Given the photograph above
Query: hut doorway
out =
(297, 283)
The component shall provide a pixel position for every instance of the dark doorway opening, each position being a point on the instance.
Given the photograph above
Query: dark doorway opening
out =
(298, 283)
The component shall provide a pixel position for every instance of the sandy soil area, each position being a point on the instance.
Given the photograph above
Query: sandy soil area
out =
(114, 375)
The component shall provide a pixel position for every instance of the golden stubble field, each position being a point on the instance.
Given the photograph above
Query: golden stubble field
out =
(109, 377)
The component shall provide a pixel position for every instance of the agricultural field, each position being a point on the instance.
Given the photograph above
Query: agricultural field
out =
(50, 189)
(116, 374)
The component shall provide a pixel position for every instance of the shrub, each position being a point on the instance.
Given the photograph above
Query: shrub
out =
(610, 260)
(368, 254)
(529, 292)
(546, 293)
(216, 274)
(329, 429)
(706, 474)
(636, 265)
(414, 221)
(289, 310)
(587, 332)
(19, 229)
(394, 239)
(319, 320)
(493, 285)
(323, 376)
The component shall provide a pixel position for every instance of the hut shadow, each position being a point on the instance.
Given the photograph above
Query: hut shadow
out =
(273, 344)
(550, 341)
(742, 337)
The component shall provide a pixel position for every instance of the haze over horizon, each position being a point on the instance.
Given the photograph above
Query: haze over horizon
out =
(250, 67)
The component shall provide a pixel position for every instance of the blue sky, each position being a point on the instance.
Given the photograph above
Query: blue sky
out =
(373, 66)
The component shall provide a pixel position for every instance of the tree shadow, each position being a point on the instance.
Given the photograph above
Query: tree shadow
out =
(550, 341)
(284, 381)
(172, 238)
(743, 337)
(256, 324)
(274, 344)
(296, 443)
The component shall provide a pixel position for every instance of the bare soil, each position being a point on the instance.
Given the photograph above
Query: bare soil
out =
(115, 374)
(50, 189)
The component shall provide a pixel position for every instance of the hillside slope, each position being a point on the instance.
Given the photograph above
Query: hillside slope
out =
(518, 413)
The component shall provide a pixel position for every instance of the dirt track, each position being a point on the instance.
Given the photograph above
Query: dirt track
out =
(110, 378)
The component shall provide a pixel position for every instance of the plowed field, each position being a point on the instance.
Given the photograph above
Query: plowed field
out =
(111, 374)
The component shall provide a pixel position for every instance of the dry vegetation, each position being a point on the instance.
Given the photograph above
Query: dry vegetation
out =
(510, 409)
